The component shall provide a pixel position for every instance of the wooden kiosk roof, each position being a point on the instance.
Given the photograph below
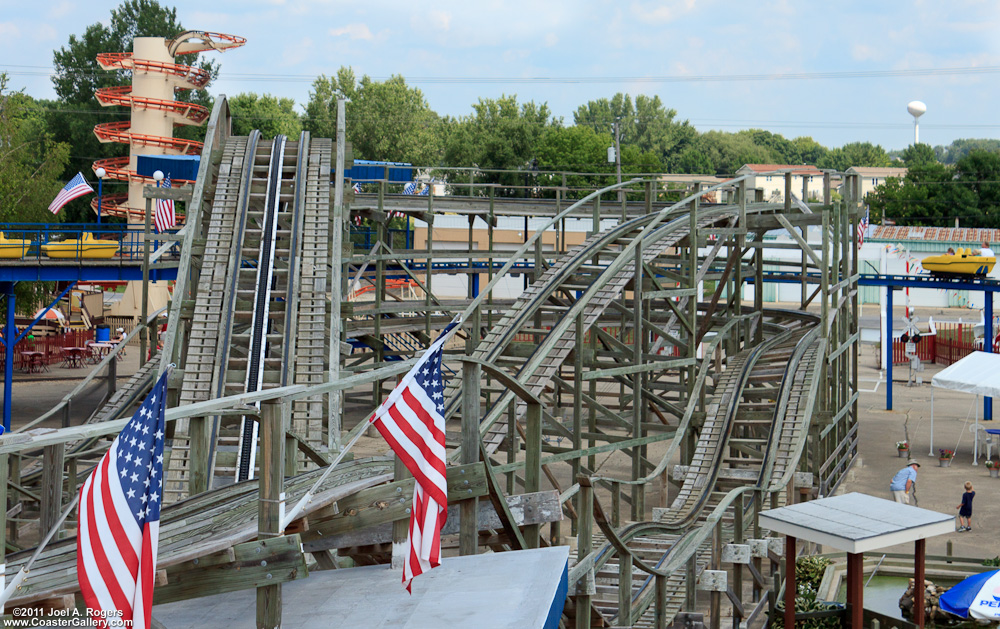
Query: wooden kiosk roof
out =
(856, 523)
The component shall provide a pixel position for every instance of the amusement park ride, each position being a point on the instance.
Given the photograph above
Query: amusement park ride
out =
(564, 411)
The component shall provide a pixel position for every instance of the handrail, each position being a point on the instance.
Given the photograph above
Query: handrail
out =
(112, 355)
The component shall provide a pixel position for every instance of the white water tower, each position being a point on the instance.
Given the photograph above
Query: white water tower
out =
(916, 109)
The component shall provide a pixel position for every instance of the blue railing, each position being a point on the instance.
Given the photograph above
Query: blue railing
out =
(128, 238)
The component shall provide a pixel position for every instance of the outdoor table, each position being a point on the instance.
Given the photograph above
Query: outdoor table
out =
(102, 347)
(32, 361)
(75, 356)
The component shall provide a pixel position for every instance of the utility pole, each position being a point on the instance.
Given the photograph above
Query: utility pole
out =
(618, 158)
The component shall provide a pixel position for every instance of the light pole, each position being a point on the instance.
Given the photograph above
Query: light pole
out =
(144, 333)
(100, 172)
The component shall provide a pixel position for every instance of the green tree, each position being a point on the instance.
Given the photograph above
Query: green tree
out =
(917, 154)
(31, 163)
(693, 161)
(855, 154)
(809, 150)
(979, 170)
(727, 152)
(647, 124)
(960, 148)
(77, 76)
(784, 151)
(500, 135)
(271, 114)
(575, 149)
(386, 121)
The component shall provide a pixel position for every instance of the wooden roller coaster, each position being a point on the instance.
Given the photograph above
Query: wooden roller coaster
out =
(633, 386)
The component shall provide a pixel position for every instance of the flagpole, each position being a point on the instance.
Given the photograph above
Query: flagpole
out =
(307, 497)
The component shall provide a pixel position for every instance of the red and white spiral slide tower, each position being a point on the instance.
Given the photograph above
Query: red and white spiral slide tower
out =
(155, 111)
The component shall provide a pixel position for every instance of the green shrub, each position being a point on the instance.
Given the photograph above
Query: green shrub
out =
(808, 575)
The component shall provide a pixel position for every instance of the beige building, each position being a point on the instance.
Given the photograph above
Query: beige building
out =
(771, 187)
(872, 176)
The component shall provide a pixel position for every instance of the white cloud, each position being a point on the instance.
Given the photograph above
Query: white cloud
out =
(551, 39)
(864, 52)
(60, 10)
(662, 11)
(9, 29)
(296, 53)
(353, 31)
(441, 20)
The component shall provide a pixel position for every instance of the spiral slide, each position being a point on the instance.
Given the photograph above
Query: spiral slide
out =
(155, 111)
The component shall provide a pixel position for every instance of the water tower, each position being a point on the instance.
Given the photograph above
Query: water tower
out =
(916, 109)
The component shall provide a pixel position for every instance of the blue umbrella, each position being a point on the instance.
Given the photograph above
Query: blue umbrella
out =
(975, 597)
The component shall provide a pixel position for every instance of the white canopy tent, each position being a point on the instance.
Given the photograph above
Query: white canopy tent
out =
(979, 374)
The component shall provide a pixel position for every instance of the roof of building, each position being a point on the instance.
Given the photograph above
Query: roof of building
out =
(971, 235)
(878, 171)
(856, 523)
(798, 168)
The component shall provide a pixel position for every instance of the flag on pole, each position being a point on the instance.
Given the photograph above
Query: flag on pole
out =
(411, 421)
(862, 229)
(119, 519)
(164, 216)
(77, 187)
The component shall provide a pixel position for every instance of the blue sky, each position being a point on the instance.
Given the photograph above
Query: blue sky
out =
(567, 52)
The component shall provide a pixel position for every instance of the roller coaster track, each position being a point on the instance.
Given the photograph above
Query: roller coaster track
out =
(777, 443)
(575, 272)
(260, 310)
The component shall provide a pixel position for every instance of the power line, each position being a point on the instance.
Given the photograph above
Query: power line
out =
(571, 80)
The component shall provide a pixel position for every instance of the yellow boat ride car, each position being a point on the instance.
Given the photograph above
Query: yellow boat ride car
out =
(86, 247)
(13, 249)
(963, 263)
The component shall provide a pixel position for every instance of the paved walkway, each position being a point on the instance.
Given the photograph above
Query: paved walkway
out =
(938, 488)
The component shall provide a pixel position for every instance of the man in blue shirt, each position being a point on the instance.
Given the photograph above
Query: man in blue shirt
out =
(902, 483)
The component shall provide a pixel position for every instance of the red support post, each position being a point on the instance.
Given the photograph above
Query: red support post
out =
(855, 589)
(919, 560)
(790, 589)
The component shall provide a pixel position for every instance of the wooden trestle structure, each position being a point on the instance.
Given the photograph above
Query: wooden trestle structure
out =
(628, 397)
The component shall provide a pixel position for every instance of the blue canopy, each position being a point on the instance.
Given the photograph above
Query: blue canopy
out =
(977, 596)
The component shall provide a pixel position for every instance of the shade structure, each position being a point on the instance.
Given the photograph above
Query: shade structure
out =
(976, 597)
(978, 374)
(52, 314)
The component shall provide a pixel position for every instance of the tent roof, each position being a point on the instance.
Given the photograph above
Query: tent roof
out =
(977, 373)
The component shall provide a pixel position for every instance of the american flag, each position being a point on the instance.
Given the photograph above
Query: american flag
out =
(77, 187)
(410, 419)
(410, 188)
(120, 519)
(164, 216)
(862, 229)
(357, 188)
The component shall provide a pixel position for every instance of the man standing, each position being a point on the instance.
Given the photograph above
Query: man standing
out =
(902, 483)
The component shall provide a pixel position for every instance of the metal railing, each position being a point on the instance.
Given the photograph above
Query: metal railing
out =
(129, 238)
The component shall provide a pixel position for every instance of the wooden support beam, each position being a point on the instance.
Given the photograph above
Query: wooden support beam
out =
(52, 486)
(272, 462)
